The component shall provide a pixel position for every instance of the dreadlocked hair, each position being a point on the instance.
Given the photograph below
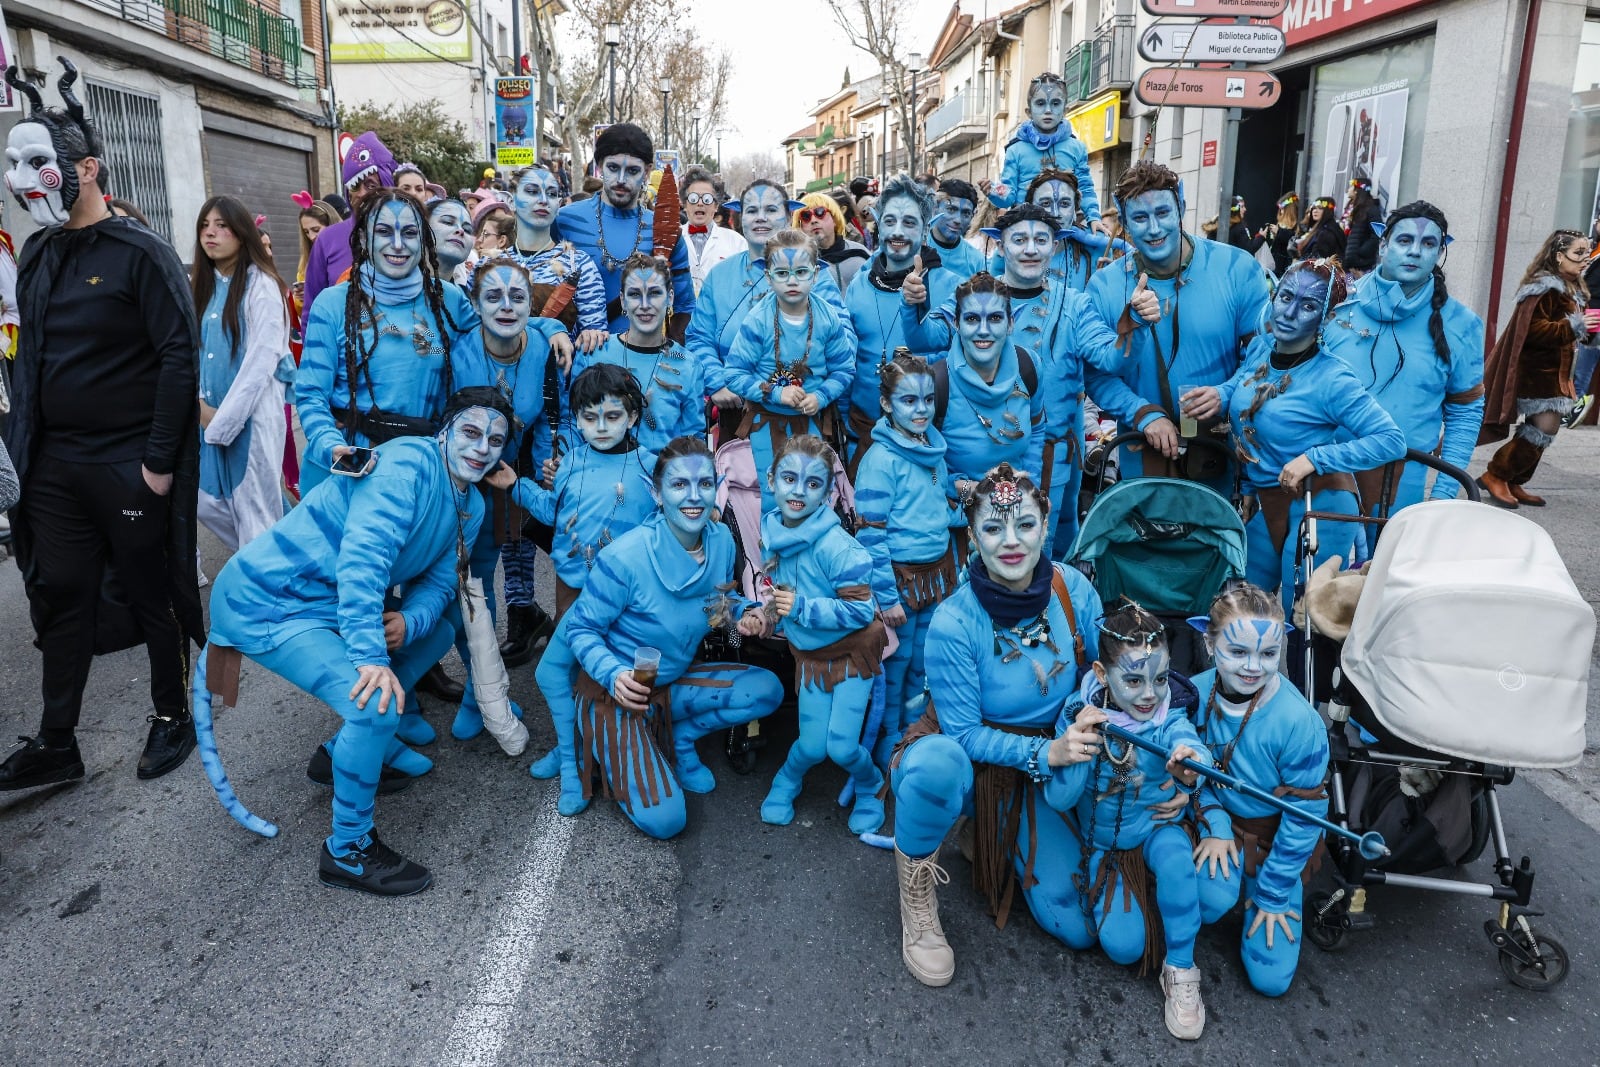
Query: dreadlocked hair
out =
(1241, 600)
(902, 364)
(1026, 213)
(678, 448)
(982, 282)
(360, 310)
(1129, 625)
(1329, 270)
(1005, 472)
(1421, 209)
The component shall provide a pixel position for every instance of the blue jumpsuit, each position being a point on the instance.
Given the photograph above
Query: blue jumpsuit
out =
(1029, 152)
(961, 259)
(1284, 745)
(879, 330)
(975, 692)
(674, 391)
(727, 296)
(626, 232)
(902, 498)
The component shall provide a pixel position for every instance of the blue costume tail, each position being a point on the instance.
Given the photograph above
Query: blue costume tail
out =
(206, 742)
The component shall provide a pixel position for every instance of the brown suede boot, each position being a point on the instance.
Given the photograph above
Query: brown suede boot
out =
(1525, 497)
(1496, 490)
(922, 943)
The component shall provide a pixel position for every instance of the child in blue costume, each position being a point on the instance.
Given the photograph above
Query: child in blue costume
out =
(1005, 654)
(661, 585)
(376, 362)
(736, 285)
(1116, 796)
(1296, 414)
(874, 298)
(793, 360)
(822, 598)
(306, 600)
(1185, 309)
(1045, 141)
(902, 498)
(1261, 729)
(954, 204)
(674, 392)
(1403, 310)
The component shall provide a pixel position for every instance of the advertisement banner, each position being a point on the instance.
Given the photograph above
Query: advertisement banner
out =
(515, 143)
(399, 31)
(1365, 139)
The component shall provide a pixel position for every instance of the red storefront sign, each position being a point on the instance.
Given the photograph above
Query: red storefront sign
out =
(1208, 154)
(1307, 20)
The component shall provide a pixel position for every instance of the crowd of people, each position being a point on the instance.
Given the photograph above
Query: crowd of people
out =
(902, 383)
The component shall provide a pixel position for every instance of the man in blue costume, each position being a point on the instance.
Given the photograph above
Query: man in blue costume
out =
(953, 207)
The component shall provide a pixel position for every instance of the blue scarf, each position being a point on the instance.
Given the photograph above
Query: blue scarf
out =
(1028, 134)
(1386, 301)
(391, 291)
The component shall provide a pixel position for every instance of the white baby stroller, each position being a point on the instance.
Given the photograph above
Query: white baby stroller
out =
(1467, 624)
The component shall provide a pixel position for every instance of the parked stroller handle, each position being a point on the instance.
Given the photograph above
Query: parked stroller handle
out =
(1134, 437)
(1372, 844)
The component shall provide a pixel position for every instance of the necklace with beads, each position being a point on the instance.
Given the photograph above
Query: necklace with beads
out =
(795, 372)
(611, 262)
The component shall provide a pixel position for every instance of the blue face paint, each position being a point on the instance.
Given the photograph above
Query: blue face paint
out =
(952, 216)
(1139, 681)
(1047, 105)
(901, 229)
(624, 177)
(504, 302)
(792, 272)
(983, 322)
(606, 424)
(1154, 224)
(1057, 197)
(394, 236)
(1026, 248)
(800, 485)
(452, 234)
(1010, 540)
(536, 199)
(645, 296)
(1410, 250)
(687, 493)
(1246, 653)
(910, 406)
(1297, 310)
(763, 212)
(472, 444)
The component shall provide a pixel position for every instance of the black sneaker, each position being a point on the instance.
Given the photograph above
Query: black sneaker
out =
(320, 770)
(36, 764)
(169, 744)
(526, 629)
(376, 869)
(436, 683)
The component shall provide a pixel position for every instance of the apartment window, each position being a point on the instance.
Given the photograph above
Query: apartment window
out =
(1066, 34)
(130, 127)
(1177, 133)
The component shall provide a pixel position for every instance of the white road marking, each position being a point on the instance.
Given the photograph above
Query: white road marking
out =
(484, 1023)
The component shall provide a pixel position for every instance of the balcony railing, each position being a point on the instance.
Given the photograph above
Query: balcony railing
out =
(960, 117)
(1101, 62)
(235, 30)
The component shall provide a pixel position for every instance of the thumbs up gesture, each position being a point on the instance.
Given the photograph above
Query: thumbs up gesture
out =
(914, 290)
(1144, 303)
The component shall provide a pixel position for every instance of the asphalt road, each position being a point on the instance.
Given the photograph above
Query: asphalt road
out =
(140, 925)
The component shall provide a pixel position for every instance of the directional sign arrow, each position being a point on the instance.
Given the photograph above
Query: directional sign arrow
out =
(1187, 87)
(1211, 42)
(1152, 39)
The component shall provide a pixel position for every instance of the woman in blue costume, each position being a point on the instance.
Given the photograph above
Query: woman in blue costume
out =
(1261, 729)
(535, 198)
(663, 586)
(1045, 142)
(902, 499)
(1185, 309)
(875, 298)
(674, 391)
(794, 358)
(1116, 798)
(306, 600)
(1299, 414)
(1418, 351)
(1005, 654)
(821, 581)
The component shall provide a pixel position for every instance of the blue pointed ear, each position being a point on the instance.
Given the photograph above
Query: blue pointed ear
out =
(732, 205)
(991, 233)
(1448, 240)
(1378, 228)
(1199, 622)
(1181, 200)
(795, 205)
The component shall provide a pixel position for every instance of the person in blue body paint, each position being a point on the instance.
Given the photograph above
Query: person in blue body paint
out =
(1113, 797)
(535, 199)
(875, 298)
(1045, 142)
(662, 586)
(306, 600)
(1418, 351)
(1298, 414)
(1077, 248)
(451, 224)
(1005, 653)
(614, 225)
(793, 360)
(674, 392)
(953, 206)
(1262, 730)
(902, 499)
(1185, 309)
(734, 286)
(822, 600)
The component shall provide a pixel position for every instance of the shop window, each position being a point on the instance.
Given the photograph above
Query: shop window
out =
(130, 127)
(1177, 133)
(1578, 199)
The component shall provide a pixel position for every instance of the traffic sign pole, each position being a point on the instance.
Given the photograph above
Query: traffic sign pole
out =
(1225, 153)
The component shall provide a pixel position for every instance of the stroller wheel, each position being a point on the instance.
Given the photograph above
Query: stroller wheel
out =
(742, 749)
(1541, 975)
(1326, 929)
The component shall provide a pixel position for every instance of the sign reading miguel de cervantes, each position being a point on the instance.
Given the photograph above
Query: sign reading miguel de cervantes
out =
(1210, 42)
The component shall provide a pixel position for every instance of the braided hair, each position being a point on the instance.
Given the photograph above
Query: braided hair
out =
(903, 364)
(1421, 209)
(1128, 625)
(360, 310)
(1005, 472)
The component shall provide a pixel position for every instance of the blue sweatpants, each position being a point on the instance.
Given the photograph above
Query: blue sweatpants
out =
(1270, 970)
(904, 678)
(1170, 860)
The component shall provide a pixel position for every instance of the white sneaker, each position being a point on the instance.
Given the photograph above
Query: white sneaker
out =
(1186, 1014)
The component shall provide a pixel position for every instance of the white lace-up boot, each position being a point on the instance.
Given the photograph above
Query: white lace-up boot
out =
(922, 943)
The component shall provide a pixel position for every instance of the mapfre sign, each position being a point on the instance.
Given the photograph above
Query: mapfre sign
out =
(1307, 20)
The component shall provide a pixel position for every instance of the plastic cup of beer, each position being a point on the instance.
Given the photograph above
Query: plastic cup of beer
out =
(646, 665)
(1187, 426)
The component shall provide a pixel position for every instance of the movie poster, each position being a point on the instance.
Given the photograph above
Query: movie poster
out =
(514, 144)
(1366, 139)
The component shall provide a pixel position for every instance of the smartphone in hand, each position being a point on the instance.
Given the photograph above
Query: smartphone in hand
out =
(357, 463)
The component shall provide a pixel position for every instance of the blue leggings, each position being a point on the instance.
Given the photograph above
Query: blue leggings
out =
(1270, 970)
(830, 728)
(933, 787)
(1170, 859)
(904, 678)
(518, 558)
(1272, 570)
(318, 662)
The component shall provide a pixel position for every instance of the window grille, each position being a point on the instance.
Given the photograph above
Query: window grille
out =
(130, 128)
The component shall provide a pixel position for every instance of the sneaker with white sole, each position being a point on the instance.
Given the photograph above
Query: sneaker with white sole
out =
(1580, 408)
(1186, 1013)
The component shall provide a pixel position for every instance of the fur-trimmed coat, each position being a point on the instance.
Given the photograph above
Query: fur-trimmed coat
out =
(1533, 357)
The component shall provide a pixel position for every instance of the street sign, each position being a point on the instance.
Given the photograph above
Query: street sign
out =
(1210, 42)
(1208, 154)
(1185, 87)
(1204, 9)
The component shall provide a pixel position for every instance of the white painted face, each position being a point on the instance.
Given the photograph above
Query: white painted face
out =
(606, 424)
(1025, 249)
(624, 177)
(1246, 653)
(1138, 681)
(472, 444)
(1010, 540)
(36, 178)
(1057, 197)
(763, 212)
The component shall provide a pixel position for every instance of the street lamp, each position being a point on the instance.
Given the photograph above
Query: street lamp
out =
(719, 150)
(613, 38)
(914, 64)
(665, 85)
(698, 116)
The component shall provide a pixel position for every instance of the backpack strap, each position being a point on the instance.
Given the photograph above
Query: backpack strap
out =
(1028, 372)
(1058, 582)
(941, 391)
